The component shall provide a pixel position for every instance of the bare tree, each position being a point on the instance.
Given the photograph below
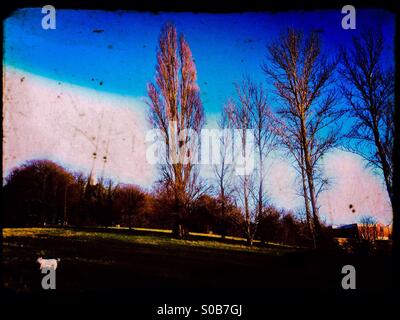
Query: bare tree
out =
(290, 140)
(264, 137)
(302, 77)
(369, 89)
(223, 171)
(240, 117)
(175, 109)
(368, 229)
(251, 111)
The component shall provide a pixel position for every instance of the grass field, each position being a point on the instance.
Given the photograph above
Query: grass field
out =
(105, 259)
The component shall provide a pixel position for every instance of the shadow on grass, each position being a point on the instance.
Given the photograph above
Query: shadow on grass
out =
(109, 260)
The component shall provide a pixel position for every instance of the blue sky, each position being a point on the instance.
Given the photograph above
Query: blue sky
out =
(121, 58)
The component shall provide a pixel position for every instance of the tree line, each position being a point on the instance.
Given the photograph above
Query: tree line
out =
(42, 193)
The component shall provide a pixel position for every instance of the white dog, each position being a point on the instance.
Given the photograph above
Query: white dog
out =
(48, 263)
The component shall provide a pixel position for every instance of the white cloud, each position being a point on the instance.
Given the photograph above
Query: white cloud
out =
(353, 184)
(350, 183)
(45, 118)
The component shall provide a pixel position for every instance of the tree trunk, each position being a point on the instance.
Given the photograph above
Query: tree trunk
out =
(307, 204)
(261, 189)
(247, 212)
(223, 222)
(310, 179)
(65, 206)
(383, 160)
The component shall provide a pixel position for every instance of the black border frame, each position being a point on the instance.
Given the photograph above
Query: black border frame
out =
(142, 305)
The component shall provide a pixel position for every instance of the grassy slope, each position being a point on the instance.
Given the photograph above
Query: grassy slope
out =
(104, 259)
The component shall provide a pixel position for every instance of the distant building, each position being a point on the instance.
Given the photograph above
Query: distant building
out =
(360, 231)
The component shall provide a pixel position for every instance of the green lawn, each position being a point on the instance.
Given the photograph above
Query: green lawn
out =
(102, 259)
